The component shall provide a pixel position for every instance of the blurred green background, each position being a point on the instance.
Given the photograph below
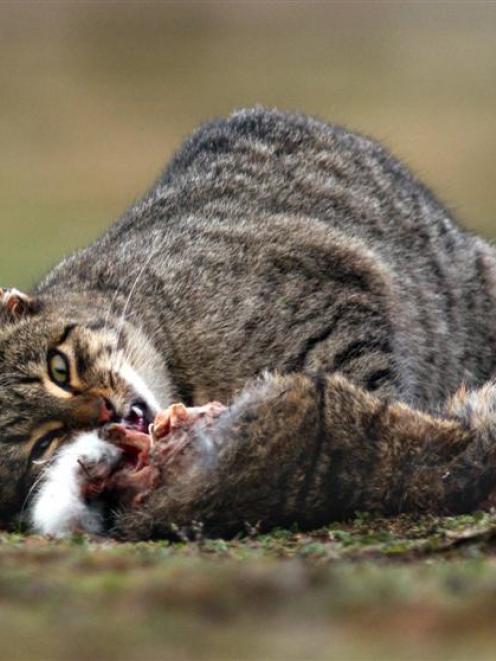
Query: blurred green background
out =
(95, 97)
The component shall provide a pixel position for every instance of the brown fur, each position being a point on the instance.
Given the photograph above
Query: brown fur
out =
(309, 449)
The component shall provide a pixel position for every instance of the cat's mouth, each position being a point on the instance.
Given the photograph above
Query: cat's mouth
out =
(132, 436)
(152, 451)
(133, 475)
(139, 417)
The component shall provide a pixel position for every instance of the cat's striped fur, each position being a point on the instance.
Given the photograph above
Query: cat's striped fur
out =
(275, 242)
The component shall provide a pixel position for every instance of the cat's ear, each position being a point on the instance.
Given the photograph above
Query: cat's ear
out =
(15, 305)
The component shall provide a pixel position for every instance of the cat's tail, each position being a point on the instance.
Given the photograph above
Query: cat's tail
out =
(308, 449)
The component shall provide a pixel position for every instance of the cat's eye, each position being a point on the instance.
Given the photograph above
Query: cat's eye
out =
(58, 368)
(42, 445)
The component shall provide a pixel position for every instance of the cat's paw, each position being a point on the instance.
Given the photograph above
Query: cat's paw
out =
(65, 500)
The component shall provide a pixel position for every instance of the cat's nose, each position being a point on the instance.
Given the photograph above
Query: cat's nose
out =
(107, 411)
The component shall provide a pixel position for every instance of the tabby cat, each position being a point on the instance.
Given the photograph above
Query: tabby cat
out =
(302, 275)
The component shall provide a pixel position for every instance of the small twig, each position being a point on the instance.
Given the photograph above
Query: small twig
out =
(84, 469)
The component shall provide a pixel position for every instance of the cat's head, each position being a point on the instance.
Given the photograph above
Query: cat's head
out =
(59, 374)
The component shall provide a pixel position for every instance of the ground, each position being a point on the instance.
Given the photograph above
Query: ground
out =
(371, 588)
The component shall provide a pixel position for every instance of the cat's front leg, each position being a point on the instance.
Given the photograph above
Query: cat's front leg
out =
(65, 497)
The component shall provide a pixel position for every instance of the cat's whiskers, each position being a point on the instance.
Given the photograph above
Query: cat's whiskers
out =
(141, 272)
(109, 308)
(35, 484)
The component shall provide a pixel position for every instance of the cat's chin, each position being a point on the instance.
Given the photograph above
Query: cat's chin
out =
(67, 498)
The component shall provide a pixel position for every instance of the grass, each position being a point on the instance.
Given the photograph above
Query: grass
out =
(371, 588)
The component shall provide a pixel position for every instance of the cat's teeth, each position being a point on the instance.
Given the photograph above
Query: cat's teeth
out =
(137, 417)
(137, 410)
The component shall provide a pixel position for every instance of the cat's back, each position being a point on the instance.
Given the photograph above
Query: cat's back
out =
(285, 212)
(276, 162)
(259, 166)
(259, 163)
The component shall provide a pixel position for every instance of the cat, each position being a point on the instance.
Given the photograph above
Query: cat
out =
(295, 271)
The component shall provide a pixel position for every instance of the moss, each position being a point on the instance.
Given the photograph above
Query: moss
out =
(351, 590)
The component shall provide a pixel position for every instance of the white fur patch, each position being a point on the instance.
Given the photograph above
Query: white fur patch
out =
(130, 375)
(59, 508)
